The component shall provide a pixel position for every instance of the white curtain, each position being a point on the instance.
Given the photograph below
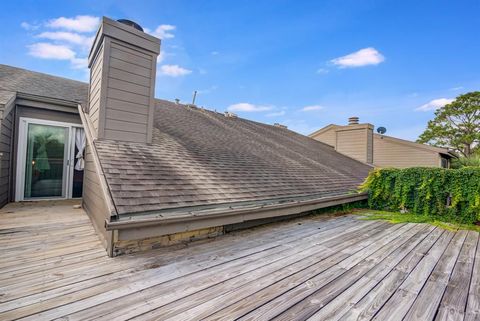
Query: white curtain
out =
(80, 144)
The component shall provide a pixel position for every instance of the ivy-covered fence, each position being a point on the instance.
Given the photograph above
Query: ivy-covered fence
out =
(449, 194)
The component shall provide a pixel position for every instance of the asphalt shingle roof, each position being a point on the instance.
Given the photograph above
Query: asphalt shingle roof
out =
(35, 83)
(200, 157)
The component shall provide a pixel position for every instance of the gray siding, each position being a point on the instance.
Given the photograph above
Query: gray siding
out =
(6, 135)
(130, 88)
(93, 201)
(122, 67)
(95, 90)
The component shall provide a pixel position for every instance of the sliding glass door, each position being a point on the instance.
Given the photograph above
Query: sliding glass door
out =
(46, 161)
(50, 160)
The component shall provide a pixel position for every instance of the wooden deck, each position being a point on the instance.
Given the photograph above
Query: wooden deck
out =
(323, 268)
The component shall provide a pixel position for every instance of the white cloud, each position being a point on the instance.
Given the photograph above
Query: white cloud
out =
(312, 108)
(456, 88)
(246, 107)
(49, 51)
(363, 57)
(214, 53)
(435, 104)
(322, 71)
(276, 114)
(78, 23)
(208, 90)
(29, 26)
(162, 31)
(161, 56)
(66, 36)
(174, 70)
(79, 63)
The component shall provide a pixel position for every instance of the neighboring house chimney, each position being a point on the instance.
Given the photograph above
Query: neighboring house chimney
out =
(122, 65)
(355, 140)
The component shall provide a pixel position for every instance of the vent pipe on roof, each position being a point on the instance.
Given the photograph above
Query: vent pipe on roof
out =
(229, 114)
(353, 120)
(280, 125)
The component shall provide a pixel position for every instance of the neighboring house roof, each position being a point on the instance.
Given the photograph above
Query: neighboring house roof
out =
(34, 83)
(200, 158)
(323, 129)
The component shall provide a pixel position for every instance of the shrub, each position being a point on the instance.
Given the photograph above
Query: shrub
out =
(473, 160)
(448, 194)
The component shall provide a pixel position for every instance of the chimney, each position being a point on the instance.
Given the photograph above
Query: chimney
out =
(355, 140)
(122, 64)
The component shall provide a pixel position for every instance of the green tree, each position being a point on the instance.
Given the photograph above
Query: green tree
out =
(456, 125)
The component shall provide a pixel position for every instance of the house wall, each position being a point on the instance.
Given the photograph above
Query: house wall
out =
(392, 154)
(328, 136)
(6, 146)
(93, 199)
(352, 143)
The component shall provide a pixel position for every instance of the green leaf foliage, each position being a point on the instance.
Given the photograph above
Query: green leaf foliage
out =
(472, 160)
(456, 125)
(450, 194)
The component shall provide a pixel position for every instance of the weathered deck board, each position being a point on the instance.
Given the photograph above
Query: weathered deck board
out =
(317, 268)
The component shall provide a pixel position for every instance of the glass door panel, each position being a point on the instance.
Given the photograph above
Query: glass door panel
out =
(45, 166)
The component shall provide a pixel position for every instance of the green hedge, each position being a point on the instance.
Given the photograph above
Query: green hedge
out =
(449, 194)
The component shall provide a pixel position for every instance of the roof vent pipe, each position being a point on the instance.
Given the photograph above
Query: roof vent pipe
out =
(353, 120)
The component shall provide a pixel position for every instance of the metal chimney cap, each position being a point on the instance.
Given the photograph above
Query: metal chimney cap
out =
(353, 120)
(131, 24)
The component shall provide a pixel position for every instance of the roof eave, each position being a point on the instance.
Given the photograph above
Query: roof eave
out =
(238, 215)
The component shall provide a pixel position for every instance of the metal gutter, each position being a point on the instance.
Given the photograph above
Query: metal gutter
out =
(236, 215)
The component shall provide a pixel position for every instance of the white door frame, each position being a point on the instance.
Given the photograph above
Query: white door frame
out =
(69, 158)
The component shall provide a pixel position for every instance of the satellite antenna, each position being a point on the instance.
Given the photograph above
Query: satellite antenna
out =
(381, 130)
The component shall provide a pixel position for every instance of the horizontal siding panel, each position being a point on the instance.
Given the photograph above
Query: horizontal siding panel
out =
(390, 154)
(96, 72)
(122, 54)
(132, 51)
(126, 106)
(125, 136)
(122, 115)
(126, 76)
(95, 83)
(128, 97)
(125, 126)
(128, 87)
(131, 68)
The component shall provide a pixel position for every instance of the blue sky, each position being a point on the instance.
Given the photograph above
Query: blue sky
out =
(303, 64)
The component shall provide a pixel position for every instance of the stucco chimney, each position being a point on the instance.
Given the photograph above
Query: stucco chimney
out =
(122, 65)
